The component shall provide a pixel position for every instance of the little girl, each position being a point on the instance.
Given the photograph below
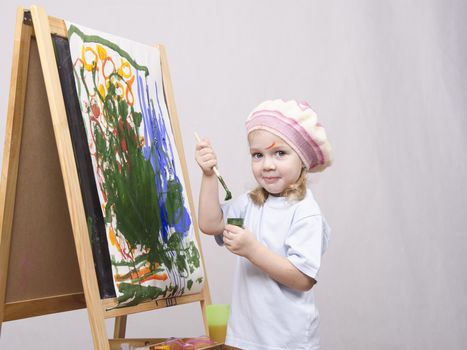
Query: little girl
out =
(279, 247)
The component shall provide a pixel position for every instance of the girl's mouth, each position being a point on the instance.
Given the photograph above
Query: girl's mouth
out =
(270, 179)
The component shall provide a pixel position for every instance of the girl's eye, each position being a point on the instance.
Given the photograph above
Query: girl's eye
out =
(256, 155)
(280, 153)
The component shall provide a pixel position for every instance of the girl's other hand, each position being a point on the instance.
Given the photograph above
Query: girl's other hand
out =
(239, 241)
(205, 157)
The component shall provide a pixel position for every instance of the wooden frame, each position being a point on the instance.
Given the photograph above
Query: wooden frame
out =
(37, 26)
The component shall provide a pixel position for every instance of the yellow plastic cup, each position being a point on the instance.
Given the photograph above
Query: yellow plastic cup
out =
(217, 315)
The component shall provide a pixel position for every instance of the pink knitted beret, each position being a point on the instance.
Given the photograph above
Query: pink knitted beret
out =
(297, 124)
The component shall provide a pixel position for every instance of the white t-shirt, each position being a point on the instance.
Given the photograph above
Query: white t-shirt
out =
(264, 313)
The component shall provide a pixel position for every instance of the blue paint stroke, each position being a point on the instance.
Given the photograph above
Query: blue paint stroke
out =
(158, 150)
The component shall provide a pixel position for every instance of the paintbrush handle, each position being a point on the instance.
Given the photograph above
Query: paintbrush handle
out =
(198, 139)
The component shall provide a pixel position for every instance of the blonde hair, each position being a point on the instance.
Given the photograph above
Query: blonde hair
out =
(296, 191)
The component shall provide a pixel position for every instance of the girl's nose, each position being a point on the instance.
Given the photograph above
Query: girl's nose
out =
(268, 163)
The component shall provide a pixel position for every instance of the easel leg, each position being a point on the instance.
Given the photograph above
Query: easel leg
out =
(11, 150)
(120, 327)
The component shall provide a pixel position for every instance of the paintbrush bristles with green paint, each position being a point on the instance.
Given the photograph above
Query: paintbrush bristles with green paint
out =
(228, 194)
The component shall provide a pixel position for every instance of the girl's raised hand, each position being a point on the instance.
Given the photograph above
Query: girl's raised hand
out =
(239, 241)
(205, 157)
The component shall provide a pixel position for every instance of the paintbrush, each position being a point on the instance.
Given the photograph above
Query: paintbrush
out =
(228, 194)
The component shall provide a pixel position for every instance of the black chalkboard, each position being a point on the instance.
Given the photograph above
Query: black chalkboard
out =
(91, 201)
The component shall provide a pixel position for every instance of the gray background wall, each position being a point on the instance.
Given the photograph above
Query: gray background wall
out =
(388, 80)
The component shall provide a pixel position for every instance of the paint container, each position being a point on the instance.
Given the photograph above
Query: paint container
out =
(235, 221)
(217, 316)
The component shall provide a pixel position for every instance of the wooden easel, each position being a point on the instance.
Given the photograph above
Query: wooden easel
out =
(46, 263)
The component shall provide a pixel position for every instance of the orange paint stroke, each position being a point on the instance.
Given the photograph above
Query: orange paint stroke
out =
(113, 240)
(145, 272)
(129, 92)
(157, 277)
(104, 63)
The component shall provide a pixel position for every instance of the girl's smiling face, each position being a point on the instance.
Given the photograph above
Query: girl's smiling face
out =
(275, 164)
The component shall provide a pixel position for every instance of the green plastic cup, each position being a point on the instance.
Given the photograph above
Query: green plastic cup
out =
(235, 221)
(217, 316)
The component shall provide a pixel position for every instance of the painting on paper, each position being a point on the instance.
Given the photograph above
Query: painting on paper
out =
(137, 170)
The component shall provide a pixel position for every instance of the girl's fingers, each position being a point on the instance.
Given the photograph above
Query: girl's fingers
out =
(206, 151)
(228, 236)
(203, 144)
(207, 164)
(208, 156)
(232, 228)
(211, 164)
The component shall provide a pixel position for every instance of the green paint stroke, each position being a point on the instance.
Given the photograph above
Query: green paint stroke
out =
(97, 39)
(134, 294)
